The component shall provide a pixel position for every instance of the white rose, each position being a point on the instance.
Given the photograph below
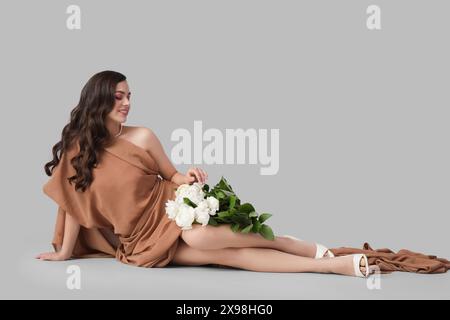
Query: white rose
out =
(202, 213)
(185, 217)
(213, 205)
(172, 209)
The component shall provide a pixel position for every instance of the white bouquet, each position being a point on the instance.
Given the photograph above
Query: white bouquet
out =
(197, 204)
(191, 205)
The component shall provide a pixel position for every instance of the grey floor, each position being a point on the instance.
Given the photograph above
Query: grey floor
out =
(109, 279)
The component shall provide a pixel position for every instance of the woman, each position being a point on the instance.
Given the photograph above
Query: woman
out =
(111, 183)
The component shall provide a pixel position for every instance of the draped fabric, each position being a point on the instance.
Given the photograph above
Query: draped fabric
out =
(403, 260)
(126, 200)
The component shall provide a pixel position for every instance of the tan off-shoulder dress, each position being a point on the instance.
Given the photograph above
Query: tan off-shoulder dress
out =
(127, 197)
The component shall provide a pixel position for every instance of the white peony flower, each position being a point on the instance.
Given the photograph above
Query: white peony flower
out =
(197, 193)
(181, 192)
(203, 206)
(202, 213)
(181, 189)
(194, 192)
(202, 217)
(213, 205)
(198, 185)
(185, 217)
(172, 209)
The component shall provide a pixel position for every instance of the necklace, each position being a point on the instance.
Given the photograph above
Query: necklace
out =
(120, 130)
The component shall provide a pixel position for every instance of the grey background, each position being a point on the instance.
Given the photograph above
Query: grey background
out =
(363, 118)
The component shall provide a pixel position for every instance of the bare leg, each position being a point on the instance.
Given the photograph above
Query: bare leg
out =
(269, 260)
(211, 237)
(263, 260)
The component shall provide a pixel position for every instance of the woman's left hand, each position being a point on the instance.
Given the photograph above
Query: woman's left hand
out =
(196, 175)
(53, 256)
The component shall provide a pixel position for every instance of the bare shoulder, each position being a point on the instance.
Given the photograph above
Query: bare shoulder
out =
(141, 136)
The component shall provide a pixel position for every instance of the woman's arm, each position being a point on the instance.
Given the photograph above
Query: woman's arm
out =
(166, 168)
(71, 230)
(179, 178)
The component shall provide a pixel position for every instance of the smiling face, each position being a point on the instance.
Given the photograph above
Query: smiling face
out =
(121, 108)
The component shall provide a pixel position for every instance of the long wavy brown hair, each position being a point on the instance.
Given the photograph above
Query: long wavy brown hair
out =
(87, 125)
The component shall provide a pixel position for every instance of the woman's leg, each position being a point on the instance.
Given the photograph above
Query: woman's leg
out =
(219, 237)
(263, 260)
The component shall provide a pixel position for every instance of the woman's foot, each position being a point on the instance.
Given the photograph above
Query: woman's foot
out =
(352, 265)
(362, 265)
(308, 249)
(323, 252)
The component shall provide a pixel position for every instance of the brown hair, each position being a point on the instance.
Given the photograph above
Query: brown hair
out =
(87, 126)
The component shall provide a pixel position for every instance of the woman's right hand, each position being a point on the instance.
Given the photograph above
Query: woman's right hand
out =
(196, 175)
(53, 256)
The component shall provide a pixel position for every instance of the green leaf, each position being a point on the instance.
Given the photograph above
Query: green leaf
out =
(241, 215)
(206, 188)
(235, 227)
(256, 226)
(223, 184)
(263, 217)
(237, 219)
(253, 214)
(228, 193)
(213, 222)
(225, 220)
(220, 195)
(247, 208)
(223, 214)
(232, 201)
(189, 202)
(247, 228)
(266, 232)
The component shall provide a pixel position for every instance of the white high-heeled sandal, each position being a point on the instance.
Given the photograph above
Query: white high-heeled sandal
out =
(357, 267)
(321, 250)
